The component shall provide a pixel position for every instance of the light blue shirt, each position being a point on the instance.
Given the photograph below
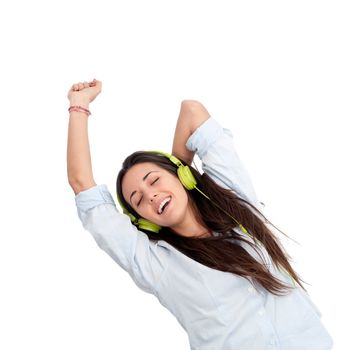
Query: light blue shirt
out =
(218, 310)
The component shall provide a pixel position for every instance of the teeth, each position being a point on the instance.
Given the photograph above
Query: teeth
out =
(160, 209)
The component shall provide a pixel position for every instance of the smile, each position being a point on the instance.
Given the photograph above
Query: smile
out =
(164, 205)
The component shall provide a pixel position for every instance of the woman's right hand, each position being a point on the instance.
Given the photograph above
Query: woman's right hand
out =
(85, 91)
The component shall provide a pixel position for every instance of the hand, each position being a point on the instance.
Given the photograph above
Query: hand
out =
(85, 91)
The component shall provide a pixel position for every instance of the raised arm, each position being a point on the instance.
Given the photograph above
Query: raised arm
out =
(79, 169)
(192, 115)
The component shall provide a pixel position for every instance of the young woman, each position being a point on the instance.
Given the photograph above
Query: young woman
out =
(198, 242)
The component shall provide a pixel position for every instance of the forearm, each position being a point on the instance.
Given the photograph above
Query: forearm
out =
(192, 115)
(79, 168)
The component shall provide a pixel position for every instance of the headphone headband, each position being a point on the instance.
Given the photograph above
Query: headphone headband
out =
(172, 158)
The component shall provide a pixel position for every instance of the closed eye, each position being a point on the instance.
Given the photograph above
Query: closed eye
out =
(142, 196)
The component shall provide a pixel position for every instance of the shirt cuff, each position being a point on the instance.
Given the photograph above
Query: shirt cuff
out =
(206, 134)
(93, 196)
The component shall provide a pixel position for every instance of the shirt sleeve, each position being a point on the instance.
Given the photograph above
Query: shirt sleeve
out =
(114, 233)
(215, 147)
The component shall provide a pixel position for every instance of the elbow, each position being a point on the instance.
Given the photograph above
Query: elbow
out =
(191, 105)
(194, 108)
(195, 111)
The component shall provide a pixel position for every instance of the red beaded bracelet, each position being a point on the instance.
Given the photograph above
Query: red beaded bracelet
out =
(79, 109)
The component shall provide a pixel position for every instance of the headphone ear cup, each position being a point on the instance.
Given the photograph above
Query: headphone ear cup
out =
(132, 217)
(186, 177)
(148, 225)
(141, 223)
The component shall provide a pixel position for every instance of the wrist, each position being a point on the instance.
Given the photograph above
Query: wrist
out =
(79, 102)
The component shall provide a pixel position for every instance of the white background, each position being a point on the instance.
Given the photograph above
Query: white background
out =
(275, 73)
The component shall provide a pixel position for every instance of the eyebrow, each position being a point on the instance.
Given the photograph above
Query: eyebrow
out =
(143, 179)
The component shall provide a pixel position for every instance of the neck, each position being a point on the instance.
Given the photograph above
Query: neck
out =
(190, 227)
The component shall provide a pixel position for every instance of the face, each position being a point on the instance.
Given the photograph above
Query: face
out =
(148, 185)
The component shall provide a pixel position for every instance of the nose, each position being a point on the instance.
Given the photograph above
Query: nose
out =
(150, 196)
(153, 197)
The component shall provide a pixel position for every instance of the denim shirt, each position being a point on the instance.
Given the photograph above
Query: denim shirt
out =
(218, 310)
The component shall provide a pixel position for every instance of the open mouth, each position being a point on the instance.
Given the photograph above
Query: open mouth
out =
(165, 207)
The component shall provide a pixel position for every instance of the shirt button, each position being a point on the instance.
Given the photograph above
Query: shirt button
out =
(261, 312)
(272, 341)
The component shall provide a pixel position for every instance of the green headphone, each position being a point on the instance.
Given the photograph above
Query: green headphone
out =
(189, 182)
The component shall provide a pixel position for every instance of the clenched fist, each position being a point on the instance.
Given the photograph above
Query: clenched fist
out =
(85, 91)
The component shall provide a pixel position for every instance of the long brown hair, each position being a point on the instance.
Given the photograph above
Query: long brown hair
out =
(221, 252)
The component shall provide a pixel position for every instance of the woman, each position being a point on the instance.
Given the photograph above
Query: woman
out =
(198, 242)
